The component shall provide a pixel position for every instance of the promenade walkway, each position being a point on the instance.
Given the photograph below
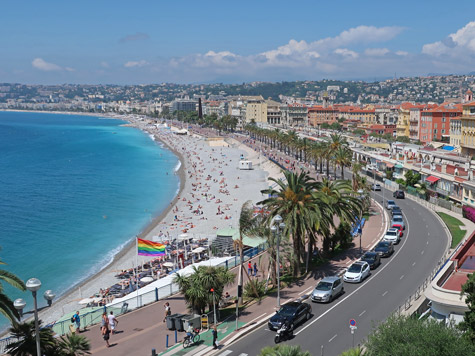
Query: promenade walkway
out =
(143, 330)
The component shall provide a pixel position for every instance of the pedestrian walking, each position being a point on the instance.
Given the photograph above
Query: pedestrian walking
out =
(249, 268)
(214, 331)
(77, 320)
(255, 269)
(105, 331)
(168, 311)
(113, 322)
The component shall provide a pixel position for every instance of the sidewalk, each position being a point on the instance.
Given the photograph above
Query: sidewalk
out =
(143, 330)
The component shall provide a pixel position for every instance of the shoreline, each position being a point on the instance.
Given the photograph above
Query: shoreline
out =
(123, 258)
(68, 296)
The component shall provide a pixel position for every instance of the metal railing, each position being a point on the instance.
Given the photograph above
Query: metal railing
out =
(133, 301)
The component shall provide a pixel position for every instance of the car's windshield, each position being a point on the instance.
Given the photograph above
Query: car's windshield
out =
(355, 268)
(391, 202)
(383, 244)
(324, 286)
(369, 257)
(397, 218)
(286, 310)
(391, 233)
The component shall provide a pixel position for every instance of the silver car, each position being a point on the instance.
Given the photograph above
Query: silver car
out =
(398, 220)
(327, 289)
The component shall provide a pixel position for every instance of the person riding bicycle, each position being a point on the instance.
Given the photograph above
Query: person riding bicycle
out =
(190, 332)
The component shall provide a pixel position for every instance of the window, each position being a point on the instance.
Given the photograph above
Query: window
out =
(443, 131)
(443, 119)
(435, 131)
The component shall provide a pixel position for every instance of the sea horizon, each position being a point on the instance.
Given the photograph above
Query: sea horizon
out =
(76, 189)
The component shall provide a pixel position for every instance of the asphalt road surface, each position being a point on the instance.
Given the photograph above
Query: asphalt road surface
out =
(328, 332)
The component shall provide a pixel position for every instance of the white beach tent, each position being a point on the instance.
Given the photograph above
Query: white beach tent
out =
(165, 286)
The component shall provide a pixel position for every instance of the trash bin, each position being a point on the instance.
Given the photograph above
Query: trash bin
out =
(171, 321)
(193, 320)
(178, 321)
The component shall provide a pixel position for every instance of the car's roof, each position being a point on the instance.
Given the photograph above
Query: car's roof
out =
(370, 253)
(396, 207)
(382, 243)
(392, 230)
(397, 217)
(330, 279)
(397, 226)
(359, 263)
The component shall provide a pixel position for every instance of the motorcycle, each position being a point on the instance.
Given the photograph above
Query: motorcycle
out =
(285, 332)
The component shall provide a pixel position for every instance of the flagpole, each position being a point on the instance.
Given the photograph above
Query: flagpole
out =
(137, 268)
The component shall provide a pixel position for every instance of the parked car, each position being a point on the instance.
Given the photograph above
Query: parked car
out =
(390, 204)
(384, 248)
(399, 194)
(395, 210)
(376, 187)
(372, 258)
(399, 228)
(398, 220)
(392, 235)
(295, 312)
(357, 272)
(327, 289)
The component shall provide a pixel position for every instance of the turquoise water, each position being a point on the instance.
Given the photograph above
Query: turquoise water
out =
(73, 190)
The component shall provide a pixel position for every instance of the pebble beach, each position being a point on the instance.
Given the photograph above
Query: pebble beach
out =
(212, 192)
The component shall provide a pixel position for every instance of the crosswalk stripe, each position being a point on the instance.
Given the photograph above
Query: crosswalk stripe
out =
(227, 352)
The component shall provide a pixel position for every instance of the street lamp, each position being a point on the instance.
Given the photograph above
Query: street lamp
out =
(33, 285)
(49, 296)
(19, 304)
(276, 230)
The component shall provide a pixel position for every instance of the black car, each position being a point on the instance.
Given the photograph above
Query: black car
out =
(295, 312)
(396, 211)
(399, 194)
(372, 258)
(384, 248)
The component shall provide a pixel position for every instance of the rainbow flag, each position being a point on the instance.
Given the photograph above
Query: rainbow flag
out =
(150, 248)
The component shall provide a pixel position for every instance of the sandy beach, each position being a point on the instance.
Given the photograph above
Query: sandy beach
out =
(212, 192)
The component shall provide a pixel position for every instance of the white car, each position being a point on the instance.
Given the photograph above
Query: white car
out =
(357, 272)
(392, 235)
(390, 204)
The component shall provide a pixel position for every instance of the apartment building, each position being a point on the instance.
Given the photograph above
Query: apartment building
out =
(274, 114)
(295, 115)
(468, 129)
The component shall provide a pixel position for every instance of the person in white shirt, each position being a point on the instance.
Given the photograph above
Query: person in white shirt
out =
(112, 322)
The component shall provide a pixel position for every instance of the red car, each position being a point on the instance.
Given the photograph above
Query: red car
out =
(400, 229)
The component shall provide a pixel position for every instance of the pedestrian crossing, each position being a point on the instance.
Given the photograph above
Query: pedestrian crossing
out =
(229, 352)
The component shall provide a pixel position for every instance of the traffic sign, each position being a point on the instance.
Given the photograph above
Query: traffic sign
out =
(352, 322)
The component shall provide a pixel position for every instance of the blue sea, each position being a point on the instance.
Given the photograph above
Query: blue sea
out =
(73, 190)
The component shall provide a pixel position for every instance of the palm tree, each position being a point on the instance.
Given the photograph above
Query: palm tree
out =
(247, 225)
(26, 344)
(342, 158)
(73, 345)
(6, 305)
(294, 202)
(283, 350)
(196, 286)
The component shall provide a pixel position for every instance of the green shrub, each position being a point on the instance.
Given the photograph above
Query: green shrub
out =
(254, 289)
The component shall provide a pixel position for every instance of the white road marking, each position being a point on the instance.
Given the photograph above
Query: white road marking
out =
(364, 311)
(260, 316)
(427, 242)
(385, 293)
(305, 291)
(288, 300)
(361, 286)
(334, 336)
(243, 354)
(427, 226)
(401, 277)
(422, 252)
(413, 264)
(224, 353)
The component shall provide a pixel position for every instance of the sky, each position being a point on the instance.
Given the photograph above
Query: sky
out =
(156, 41)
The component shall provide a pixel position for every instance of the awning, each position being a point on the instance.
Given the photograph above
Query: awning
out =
(432, 179)
(389, 165)
(399, 165)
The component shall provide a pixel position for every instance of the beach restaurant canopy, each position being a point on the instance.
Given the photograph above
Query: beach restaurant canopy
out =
(246, 240)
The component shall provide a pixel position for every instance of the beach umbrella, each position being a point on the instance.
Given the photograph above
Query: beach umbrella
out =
(86, 301)
(168, 264)
(198, 250)
(147, 279)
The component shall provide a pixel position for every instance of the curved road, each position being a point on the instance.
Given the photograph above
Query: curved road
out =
(370, 302)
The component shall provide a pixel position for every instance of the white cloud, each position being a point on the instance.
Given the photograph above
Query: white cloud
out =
(135, 64)
(376, 52)
(104, 64)
(41, 64)
(402, 53)
(455, 44)
(345, 52)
